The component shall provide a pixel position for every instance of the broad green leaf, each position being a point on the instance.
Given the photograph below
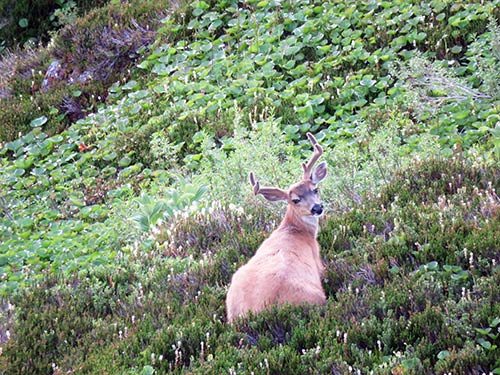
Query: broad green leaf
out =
(38, 171)
(14, 145)
(38, 121)
(432, 265)
(367, 82)
(18, 172)
(443, 354)
(125, 161)
(147, 370)
(484, 343)
(483, 331)
(23, 22)
(131, 85)
(110, 156)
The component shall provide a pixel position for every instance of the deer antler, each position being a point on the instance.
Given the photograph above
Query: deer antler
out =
(270, 193)
(318, 150)
(254, 183)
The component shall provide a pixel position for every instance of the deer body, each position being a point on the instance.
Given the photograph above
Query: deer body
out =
(287, 267)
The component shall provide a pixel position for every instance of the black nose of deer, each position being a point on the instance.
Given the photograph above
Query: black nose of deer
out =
(317, 209)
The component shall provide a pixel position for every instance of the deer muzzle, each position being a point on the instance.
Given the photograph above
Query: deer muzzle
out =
(317, 209)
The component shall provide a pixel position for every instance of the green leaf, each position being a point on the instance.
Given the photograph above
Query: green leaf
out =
(25, 222)
(484, 343)
(432, 265)
(201, 5)
(14, 145)
(144, 65)
(449, 268)
(109, 171)
(18, 172)
(461, 275)
(461, 115)
(23, 22)
(38, 122)
(131, 85)
(394, 270)
(110, 156)
(38, 171)
(482, 331)
(443, 354)
(125, 161)
(367, 82)
(410, 364)
(421, 36)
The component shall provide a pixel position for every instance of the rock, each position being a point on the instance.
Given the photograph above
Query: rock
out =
(55, 73)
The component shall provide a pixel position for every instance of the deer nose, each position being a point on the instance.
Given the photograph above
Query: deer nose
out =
(317, 209)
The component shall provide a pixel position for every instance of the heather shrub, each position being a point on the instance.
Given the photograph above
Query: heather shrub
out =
(94, 51)
(17, 113)
(385, 312)
(27, 20)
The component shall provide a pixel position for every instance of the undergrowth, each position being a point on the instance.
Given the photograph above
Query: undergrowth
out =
(120, 232)
(403, 295)
(68, 78)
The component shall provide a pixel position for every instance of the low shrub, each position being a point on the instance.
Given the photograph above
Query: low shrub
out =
(93, 52)
(412, 275)
(164, 307)
(25, 20)
(17, 113)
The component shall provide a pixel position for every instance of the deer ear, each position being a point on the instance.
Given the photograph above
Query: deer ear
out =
(319, 173)
(274, 194)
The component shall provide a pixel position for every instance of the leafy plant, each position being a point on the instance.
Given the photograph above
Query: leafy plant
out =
(409, 240)
(24, 21)
(152, 209)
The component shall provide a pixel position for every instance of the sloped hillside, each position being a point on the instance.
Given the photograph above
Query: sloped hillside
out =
(120, 232)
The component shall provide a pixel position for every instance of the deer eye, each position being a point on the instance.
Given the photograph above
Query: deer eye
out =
(316, 191)
(296, 200)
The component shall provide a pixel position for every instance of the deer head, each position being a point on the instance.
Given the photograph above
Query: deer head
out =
(303, 197)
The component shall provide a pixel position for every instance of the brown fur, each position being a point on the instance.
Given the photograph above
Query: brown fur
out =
(287, 267)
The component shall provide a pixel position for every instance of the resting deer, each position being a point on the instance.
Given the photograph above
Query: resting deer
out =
(287, 266)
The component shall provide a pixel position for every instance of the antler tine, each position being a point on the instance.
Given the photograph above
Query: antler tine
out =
(318, 150)
(255, 184)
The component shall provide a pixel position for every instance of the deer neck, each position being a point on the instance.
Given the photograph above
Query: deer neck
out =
(306, 225)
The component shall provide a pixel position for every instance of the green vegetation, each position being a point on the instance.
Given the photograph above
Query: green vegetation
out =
(120, 229)
(69, 77)
(32, 21)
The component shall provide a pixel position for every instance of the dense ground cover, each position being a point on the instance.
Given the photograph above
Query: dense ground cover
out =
(120, 232)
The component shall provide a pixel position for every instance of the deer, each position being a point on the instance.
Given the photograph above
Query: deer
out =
(287, 267)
